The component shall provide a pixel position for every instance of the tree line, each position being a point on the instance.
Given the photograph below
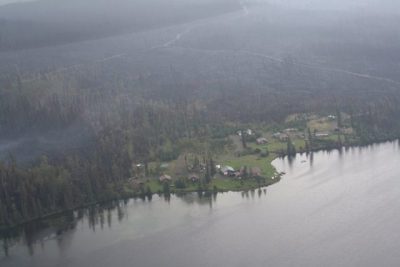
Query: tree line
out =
(128, 125)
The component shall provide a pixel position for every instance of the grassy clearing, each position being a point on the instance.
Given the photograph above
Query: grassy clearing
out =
(276, 146)
(219, 183)
(227, 184)
(322, 124)
(264, 164)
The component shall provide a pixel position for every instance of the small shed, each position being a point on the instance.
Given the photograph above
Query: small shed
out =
(283, 137)
(165, 178)
(228, 171)
(246, 132)
(321, 134)
(261, 141)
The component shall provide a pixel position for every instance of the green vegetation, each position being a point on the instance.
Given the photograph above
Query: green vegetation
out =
(218, 184)
(240, 150)
(104, 119)
(252, 161)
(130, 145)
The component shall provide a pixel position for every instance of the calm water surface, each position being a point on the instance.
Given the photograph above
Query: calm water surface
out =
(330, 209)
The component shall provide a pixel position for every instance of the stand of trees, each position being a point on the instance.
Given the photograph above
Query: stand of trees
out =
(127, 125)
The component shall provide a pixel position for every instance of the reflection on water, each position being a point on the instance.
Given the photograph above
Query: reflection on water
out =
(97, 217)
(39, 231)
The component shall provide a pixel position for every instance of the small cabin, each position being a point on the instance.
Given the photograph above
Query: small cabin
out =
(261, 141)
(321, 134)
(165, 178)
(281, 136)
(246, 132)
(227, 171)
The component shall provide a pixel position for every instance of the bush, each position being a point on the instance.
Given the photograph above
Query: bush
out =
(180, 184)
(264, 153)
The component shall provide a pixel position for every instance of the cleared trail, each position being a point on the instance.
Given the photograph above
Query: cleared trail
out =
(301, 64)
(245, 12)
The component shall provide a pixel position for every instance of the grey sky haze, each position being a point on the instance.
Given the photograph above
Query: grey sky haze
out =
(5, 2)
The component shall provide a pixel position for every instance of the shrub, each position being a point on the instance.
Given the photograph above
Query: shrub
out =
(180, 184)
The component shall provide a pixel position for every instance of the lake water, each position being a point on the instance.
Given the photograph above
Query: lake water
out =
(330, 209)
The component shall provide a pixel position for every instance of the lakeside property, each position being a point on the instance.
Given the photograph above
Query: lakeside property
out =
(241, 160)
(261, 216)
(230, 157)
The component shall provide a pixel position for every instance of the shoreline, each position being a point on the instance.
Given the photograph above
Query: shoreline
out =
(277, 179)
(143, 197)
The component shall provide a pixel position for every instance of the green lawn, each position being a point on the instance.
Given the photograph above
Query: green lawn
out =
(230, 184)
(275, 145)
(252, 161)
(221, 183)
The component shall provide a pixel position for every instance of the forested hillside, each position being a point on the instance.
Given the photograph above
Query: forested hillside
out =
(75, 119)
